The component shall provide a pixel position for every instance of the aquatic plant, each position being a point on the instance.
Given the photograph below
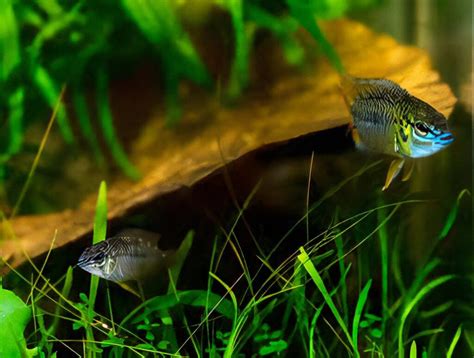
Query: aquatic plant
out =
(282, 313)
(45, 45)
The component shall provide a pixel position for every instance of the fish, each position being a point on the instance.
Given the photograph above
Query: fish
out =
(131, 255)
(388, 119)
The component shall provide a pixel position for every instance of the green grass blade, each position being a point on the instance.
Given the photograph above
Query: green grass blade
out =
(412, 303)
(469, 339)
(436, 310)
(297, 302)
(32, 170)
(395, 265)
(180, 258)
(452, 215)
(48, 89)
(455, 340)
(106, 122)
(426, 332)
(100, 230)
(342, 269)
(239, 68)
(100, 219)
(383, 239)
(282, 27)
(9, 40)
(234, 331)
(305, 14)
(421, 277)
(413, 350)
(15, 121)
(80, 106)
(308, 265)
(173, 274)
(312, 330)
(64, 294)
(159, 23)
(358, 313)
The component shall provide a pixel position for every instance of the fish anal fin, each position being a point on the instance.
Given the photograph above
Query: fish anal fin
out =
(393, 171)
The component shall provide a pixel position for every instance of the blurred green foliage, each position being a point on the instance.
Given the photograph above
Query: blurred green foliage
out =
(46, 44)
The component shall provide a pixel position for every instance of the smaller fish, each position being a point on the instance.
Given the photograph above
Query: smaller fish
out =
(131, 255)
(387, 119)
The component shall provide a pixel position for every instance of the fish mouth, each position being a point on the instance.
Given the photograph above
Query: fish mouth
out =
(85, 259)
(82, 260)
(445, 139)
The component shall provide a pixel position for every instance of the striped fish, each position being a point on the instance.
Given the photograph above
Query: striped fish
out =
(387, 119)
(133, 254)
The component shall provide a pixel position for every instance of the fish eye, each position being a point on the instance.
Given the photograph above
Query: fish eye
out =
(99, 258)
(421, 129)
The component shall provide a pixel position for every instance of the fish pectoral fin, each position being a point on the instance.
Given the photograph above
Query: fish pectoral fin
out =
(408, 169)
(393, 171)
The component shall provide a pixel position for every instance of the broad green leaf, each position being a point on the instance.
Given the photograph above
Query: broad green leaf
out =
(273, 347)
(14, 317)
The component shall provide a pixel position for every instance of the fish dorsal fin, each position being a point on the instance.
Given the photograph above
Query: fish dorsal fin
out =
(139, 233)
(370, 88)
(348, 89)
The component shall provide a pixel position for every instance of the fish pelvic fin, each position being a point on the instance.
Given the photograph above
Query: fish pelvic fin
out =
(128, 286)
(393, 171)
(408, 169)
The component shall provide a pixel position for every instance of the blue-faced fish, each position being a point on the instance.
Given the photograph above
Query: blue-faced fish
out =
(388, 119)
(131, 255)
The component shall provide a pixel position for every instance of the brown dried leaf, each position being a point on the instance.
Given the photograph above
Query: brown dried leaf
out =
(294, 105)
